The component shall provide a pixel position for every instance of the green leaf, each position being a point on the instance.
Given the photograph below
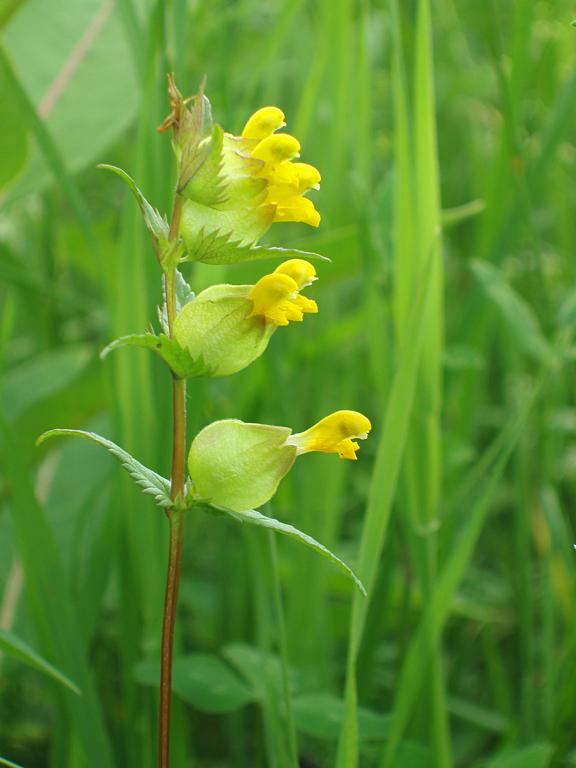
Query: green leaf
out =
(534, 756)
(218, 247)
(13, 131)
(178, 359)
(202, 680)
(83, 86)
(203, 181)
(253, 517)
(3, 761)
(519, 315)
(151, 483)
(184, 295)
(52, 607)
(155, 222)
(23, 652)
(40, 377)
(321, 715)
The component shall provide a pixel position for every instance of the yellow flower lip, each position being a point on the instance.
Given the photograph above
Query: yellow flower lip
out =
(277, 148)
(276, 298)
(301, 271)
(263, 123)
(334, 434)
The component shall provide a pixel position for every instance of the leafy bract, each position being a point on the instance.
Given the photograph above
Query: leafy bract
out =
(23, 652)
(155, 222)
(220, 247)
(178, 359)
(253, 517)
(149, 481)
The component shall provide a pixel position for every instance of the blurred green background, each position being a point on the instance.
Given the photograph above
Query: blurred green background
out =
(445, 138)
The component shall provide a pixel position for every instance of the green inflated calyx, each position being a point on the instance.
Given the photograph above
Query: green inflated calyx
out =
(229, 326)
(217, 327)
(237, 465)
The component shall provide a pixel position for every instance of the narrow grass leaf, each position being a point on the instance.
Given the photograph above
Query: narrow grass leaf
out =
(517, 313)
(52, 609)
(416, 665)
(23, 652)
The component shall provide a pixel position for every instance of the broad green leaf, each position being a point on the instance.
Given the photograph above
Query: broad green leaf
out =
(156, 224)
(321, 715)
(13, 131)
(149, 481)
(258, 668)
(40, 377)
(23, 652)
(517, 313)
(534, 756)
(202, 680)
(177, 358)
(253, 517)
(83, 84)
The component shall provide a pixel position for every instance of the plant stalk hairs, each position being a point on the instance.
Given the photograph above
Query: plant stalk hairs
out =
(230, 190)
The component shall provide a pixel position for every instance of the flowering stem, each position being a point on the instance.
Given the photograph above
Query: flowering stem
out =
(175, 516)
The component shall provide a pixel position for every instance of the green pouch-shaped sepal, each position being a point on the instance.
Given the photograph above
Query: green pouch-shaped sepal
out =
(237, 465)
(216, 328)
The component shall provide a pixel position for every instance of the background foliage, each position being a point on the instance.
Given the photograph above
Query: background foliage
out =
(456, 340)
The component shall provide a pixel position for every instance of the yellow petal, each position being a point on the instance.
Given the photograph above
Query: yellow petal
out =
(275, 298)
(263, 123)
(308, 176)
(333, 434)
(300, 270)
(276, 149)
(297, 208)
(305, 304)
(269, 297)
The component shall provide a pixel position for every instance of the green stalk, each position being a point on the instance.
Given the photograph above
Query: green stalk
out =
(175, 516)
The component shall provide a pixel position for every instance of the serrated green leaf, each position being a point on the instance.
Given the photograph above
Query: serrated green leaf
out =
(220, 248)
(518, 314)
(184, 292)
(23, 652)
(184, 295)
(155, 222)
(149, 481)
(178, 359)
(253, 517)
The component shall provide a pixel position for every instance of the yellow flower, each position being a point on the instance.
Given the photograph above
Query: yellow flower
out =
(275, 297)
(334, 434)
(238, 465)
(235, 187)
(229, 326)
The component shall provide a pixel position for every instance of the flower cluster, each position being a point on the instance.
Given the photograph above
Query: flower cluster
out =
(230, 190)
(242, 184)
